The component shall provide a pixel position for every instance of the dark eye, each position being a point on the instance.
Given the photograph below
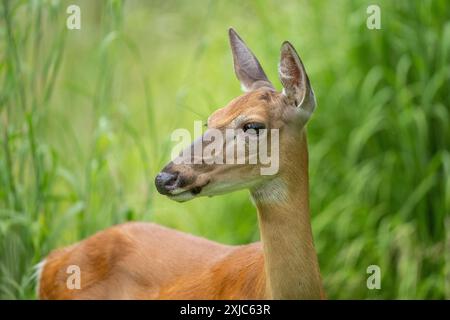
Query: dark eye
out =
(254, 126)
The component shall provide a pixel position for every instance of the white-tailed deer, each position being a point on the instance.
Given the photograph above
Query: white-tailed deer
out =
(147, 261)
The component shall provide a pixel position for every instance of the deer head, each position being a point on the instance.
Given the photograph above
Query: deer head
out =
(253, 116)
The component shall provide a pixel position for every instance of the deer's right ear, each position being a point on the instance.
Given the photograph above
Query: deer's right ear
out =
(247, 67)
(297, 88)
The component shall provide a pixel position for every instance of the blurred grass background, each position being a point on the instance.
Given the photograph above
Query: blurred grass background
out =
(86, 117)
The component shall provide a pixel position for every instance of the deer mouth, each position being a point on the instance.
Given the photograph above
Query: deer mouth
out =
(185, 194)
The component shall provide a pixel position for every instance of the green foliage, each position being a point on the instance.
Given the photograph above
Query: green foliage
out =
(86, 117)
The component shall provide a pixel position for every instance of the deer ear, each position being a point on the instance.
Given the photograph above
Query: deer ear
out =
(247, 68)
(297, 88)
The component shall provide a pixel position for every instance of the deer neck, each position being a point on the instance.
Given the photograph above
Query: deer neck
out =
(291, 264)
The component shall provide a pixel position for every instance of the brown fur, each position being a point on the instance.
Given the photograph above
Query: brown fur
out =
(146, 261)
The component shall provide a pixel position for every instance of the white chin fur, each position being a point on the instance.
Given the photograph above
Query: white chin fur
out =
(273, 191)
(182, 197)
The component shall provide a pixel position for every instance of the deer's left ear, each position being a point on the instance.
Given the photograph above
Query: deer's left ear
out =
(297, 88)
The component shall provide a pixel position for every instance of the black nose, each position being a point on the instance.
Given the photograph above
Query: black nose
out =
(166, 181)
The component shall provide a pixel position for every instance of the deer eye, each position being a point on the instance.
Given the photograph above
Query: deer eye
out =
(254, 126)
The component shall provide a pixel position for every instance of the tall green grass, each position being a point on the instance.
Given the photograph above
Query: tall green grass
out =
(86, 117)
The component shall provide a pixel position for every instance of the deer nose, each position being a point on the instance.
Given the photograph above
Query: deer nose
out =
(166, 181)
